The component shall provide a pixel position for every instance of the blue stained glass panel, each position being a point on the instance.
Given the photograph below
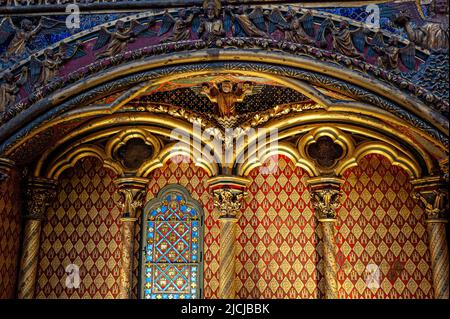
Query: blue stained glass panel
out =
(171, 251)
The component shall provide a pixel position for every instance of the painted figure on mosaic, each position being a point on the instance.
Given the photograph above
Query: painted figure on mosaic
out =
(181, 26)
(433, 34)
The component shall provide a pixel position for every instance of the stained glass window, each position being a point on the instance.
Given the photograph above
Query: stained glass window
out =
(171, 256)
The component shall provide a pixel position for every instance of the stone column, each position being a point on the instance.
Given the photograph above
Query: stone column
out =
(325, 197)
(432, 192)
(39, 195)
(132, 191)
(228, 193)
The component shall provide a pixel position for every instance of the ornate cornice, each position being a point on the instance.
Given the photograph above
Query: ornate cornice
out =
(102, 65)
(145, 5)
(148, 21)
(313, 77)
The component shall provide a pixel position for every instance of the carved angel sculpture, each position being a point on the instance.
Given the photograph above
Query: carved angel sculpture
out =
(10, 88)
(226, 95)
(296, 28)
(342, 40)
(434, 33)
(390, 53)
(343, 37)
(17, 39)
(243, 25)
(43, 72)
(119, 38)
(180, 26)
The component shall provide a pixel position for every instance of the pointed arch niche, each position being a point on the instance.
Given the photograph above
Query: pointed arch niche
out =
(172, 246)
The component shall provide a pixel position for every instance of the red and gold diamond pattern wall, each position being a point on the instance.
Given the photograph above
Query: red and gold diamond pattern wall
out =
(10, 229)
(381, 224)
(277, 240)
(276, 251)
(82, 228)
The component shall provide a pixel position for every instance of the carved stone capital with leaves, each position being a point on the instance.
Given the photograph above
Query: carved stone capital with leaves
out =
(132, 194)
(131, 200)
(39, 197)
(326, 202)
(228, 202)
(435, 204)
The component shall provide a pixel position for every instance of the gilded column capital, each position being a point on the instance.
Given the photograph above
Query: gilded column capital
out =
(325, 203)
(39, 195)
(5, 167)
(432, 193)
(132, 191)
(228, 202)
(325, 197)
(228, 194)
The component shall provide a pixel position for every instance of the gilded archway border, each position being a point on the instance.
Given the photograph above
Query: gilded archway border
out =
(262, 68)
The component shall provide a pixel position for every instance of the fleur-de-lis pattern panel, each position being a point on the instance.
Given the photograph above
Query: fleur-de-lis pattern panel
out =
(10, 231)
(381, 237)
(82, 228)
(277, 236)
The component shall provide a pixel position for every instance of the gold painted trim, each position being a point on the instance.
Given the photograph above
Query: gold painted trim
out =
(393, 155)
(228, 181)
(61, 164)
